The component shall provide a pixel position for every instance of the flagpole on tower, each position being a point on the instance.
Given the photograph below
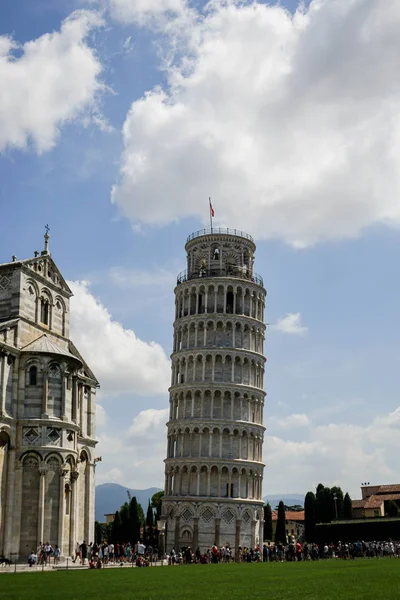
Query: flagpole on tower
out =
(211, 213)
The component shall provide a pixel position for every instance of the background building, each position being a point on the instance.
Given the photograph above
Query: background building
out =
(294, 524)
(47, 413)
(375, 500)
(214, 468)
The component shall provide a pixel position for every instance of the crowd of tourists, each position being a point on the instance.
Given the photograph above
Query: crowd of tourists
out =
(43, 555)
(97, 555)
(294, 551)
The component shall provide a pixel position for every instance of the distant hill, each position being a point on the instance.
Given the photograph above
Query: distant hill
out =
(288, 499)
(110, 496)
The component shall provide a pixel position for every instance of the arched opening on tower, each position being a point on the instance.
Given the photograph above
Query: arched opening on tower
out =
(229, 302)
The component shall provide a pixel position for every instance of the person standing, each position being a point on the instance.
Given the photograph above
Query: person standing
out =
(83, 551)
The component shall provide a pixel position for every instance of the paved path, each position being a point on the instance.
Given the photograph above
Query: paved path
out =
(64, 566)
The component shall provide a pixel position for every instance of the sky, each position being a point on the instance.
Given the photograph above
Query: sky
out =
(119, 118)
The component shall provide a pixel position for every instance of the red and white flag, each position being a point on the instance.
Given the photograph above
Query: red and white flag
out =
(211, 208)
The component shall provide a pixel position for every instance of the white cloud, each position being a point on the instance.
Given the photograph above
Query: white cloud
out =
(55, 80)
(122, 362)
(145, 12)
(293, 421)
(101, 416)
(148, 423)
(290, 324)
(111, 476)
(341, 454)
(138, 455)
(291, 123)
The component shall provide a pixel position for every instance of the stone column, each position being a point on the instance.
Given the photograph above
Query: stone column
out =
(45, 394)
(64, 384)
(61, 511)
(177, 526)
(74, 411)
(261, 537)
(3, 384)
(237, 539)
(89, 408)
(253, 533)
(217, 531)
(14, 485)
(42, 483)
(89, 518)
(195, 541)
(81, 397)
(73, 511)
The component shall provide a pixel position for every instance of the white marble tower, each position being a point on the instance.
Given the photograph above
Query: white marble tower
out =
(47, 414)
(214, 468)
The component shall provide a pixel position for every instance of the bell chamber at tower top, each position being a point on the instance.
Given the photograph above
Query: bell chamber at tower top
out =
(220, 253)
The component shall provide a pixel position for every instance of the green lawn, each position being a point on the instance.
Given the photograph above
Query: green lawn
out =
(325, 580)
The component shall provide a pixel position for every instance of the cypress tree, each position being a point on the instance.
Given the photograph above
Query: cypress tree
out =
(134, 521)
(338, 504)
(156, 503)
(116, 529)
(347, 507)
(149, 516)
(309, 516)
(392, 510)
(268, 522)
(125, 523)
(280, 532)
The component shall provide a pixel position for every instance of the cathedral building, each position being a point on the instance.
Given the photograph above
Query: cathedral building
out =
(47, 413)
(214, 468)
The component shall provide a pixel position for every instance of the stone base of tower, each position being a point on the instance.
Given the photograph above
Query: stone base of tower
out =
(201, 524)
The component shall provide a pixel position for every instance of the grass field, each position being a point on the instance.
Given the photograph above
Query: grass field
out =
(325, 580)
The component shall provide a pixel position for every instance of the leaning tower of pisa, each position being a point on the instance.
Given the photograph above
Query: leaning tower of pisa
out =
(214, 468)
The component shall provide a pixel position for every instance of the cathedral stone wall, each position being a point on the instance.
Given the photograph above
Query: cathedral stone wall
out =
(214, 468)
(47, 414)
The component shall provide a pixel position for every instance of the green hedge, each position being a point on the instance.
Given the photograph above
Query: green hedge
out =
(361, 529)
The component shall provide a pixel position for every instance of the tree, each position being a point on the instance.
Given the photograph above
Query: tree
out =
(280, 532)
(325, 509)
(309, 516)
(149, 516)
(116, 529)
(134, 521)
(156, 503)
(336, 492)
(100, 532)
(347, 507)
(392, 510)
(125, 523)
(267, 522)
(141, 515)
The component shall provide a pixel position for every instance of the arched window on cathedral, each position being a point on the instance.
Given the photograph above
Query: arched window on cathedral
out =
(44, 311)
(33, 376)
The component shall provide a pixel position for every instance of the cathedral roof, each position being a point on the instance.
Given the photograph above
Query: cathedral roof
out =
(86, 369)
(45, 345)
(8, 324)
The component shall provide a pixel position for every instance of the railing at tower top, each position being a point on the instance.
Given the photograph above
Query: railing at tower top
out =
(238, 273)
(216, 230)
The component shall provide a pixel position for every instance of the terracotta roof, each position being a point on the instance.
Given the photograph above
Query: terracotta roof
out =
(388, 489)
(290, 515)
(45, 345)
(375, 501)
